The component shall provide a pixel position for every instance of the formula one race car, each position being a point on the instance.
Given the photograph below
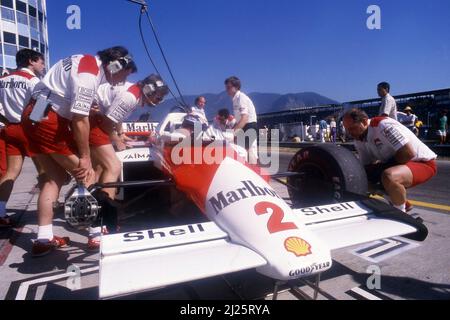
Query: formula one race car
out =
(242, 222)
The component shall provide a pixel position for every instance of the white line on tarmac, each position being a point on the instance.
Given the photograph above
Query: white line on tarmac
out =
(23, 289)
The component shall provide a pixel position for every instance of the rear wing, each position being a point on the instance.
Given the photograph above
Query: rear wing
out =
(152, 259)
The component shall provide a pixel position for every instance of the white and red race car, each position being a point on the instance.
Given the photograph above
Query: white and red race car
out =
(249, 225)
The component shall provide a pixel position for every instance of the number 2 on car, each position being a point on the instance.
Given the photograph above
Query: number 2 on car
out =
(275, 223)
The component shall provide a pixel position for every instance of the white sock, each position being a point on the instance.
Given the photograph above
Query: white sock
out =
(95, 233)
(3, 209)
(45, 233)
(401, 207)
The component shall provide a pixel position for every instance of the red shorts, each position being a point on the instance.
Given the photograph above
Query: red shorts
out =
(422, 171)
(50, 136)
(98, 137)
(16, 142)
(2, 155)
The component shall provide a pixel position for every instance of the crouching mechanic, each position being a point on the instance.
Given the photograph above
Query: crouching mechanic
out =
(391, 153)
(115, 104)
(57, 125)
(15, 92)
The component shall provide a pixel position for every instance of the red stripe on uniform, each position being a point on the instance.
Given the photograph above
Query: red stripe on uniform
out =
(375, 122)
(88, 64)
(20, 74)
(136, 91)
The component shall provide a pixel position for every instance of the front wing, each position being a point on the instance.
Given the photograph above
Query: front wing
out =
(152, 259)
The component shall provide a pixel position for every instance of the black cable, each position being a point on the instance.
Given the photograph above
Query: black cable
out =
(164, 56)
(149, 55)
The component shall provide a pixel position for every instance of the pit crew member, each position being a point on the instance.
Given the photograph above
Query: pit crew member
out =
(199, 109)
(246, 118)
(57, 125)
(15, 92)
(388, 104)
(115, 104)
(391, 153)
(224, 120)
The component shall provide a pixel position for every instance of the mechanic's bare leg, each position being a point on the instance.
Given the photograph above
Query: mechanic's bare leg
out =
(56, 167)
(14, 167)
(395, 181)
(105, 157)
(51, 188)
(109, 171)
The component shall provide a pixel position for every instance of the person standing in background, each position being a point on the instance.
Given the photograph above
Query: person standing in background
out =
(333, 126)
(442, 127)
(245, 114)
(323, 126)
(409, 119)
(388, 104)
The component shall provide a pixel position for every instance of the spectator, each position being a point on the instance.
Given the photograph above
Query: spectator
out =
(323, 126)
(419, 125)
(199, 109)
(388, 105)
(245, 114)
(333, 126)
(442, 127)
(409, 120)
(296, 139)
(342, 132)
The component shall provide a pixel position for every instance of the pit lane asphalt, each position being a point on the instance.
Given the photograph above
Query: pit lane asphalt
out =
(420, 273)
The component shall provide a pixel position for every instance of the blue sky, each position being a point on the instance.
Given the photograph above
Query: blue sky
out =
(281, 46)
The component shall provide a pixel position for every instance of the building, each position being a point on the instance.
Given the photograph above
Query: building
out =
(23, 24)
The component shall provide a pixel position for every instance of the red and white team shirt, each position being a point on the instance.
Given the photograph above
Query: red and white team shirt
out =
(117, 103)
(71, 85)
(385, 137)
(229, 124)
(15, 92)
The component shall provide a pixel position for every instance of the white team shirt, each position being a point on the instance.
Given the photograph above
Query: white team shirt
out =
(15, 92)
(389, 107)
(243, 105)
(117, 103)
(385, 137)
(196, 111)
(71, 85)
(408, 121)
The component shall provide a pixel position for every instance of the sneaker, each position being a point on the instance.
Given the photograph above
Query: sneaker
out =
(41, 249)
(6, 223)
(94, 242)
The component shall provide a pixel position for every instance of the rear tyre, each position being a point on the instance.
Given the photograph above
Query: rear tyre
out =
(328, 174)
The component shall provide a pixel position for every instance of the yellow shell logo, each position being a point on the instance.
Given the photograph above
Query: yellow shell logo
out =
(298, 246)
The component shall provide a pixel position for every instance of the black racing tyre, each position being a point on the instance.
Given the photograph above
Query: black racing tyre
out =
(328, 174)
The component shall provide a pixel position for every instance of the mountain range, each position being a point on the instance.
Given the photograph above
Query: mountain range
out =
(264, 103)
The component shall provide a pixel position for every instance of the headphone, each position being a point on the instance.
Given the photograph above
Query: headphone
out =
(118, 65)
(150, 88)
